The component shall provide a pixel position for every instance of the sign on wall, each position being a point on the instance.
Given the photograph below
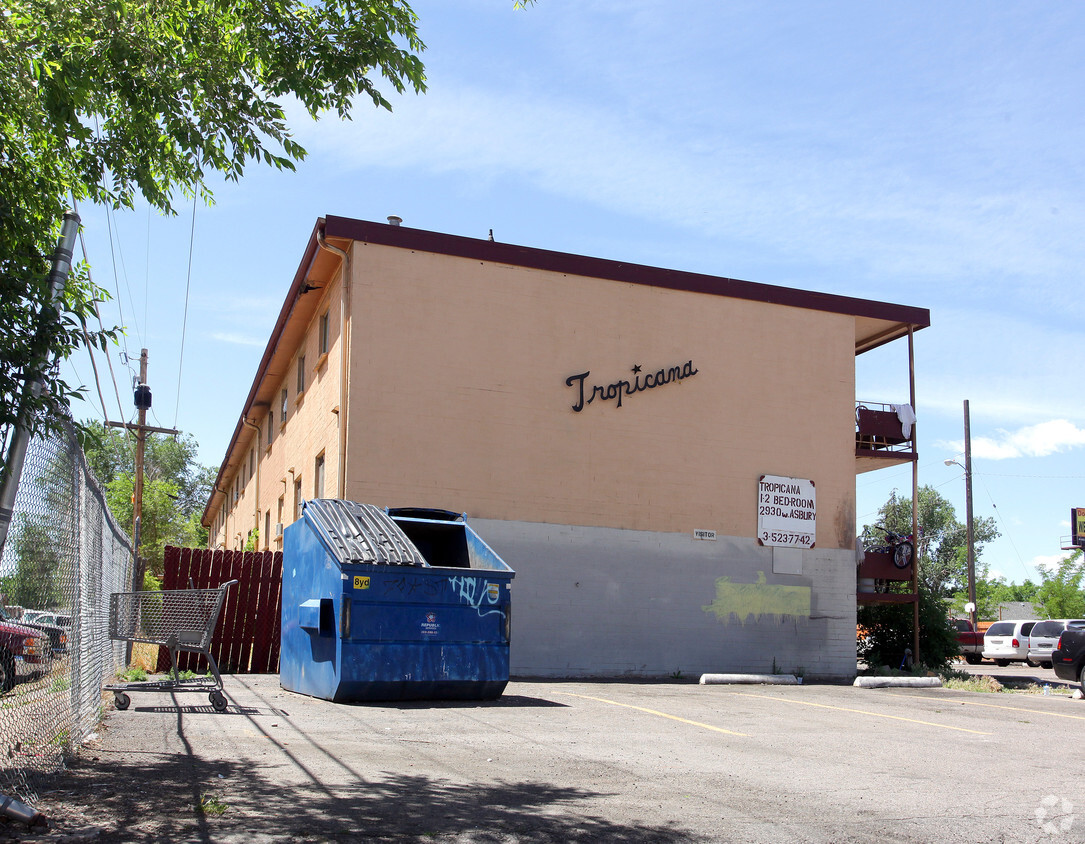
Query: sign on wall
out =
(623, 387)
(786, 512)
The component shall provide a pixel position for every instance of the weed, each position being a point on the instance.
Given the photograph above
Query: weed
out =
(211, 805)
(677, 674)
(978, 683)
(133, 675)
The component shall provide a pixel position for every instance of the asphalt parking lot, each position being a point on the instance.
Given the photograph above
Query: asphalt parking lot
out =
(575, 761)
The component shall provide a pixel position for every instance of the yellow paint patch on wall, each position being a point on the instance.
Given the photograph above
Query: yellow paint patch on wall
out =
(758, 600)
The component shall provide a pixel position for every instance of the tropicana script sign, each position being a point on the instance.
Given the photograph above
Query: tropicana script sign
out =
(624, 387)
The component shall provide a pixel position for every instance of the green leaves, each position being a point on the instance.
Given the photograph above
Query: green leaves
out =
(115, 100)
(175, 487)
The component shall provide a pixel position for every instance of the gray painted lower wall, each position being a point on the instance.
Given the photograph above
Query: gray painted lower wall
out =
(601, 602)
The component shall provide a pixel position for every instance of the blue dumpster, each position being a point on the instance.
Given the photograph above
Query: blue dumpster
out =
(400, 605)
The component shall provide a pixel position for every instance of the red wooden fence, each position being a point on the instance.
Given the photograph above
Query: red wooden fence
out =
(246, 639)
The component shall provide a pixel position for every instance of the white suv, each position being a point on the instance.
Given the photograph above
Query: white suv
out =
(1007, 641)
(1044, 636)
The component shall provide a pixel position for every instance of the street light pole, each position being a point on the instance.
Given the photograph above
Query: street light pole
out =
(969, 534)
(968, 514)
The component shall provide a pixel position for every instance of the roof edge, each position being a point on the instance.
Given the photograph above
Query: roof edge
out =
(582, 265)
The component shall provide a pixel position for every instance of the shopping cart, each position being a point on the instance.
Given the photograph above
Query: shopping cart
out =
(180, 620)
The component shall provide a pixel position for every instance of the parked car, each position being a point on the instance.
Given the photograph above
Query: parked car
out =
(969, 640)
(1044, 637)
(38, 617)
(1068, 657)
(1007, 641)
(58, 637)
(21, 648)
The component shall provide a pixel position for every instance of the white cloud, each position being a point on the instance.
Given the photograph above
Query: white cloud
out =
(1048, 562)
(728, 180)
(1039, 440)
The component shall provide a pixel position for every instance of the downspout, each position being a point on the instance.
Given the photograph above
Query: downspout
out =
(256, 450)
(344, 357)
(225, 503)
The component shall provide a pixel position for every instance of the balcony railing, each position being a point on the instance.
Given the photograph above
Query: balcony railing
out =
(879, 428)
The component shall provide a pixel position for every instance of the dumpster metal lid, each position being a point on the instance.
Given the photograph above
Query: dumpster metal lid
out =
(360, 533)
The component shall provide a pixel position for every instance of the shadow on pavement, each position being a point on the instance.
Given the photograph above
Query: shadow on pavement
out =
(173, 799)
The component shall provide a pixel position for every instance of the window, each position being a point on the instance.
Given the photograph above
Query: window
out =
(318, 477)
(252, 462)
(282, 409)
(267, 529)
(297, 499)
(270, 425)
(301, 374)
(324, 334)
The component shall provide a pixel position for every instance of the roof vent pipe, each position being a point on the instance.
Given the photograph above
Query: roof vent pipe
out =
(393, 220)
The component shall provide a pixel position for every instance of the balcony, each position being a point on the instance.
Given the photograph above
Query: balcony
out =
(880, 439)
(875, 574)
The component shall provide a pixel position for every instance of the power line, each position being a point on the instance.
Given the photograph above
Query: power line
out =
(1036, 477)
(90, 346)
(184, 321)
(1003, 521)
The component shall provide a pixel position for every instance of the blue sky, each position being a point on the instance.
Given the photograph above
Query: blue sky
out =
(926, 154)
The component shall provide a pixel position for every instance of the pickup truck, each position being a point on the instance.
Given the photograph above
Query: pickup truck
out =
(20, 647)
(58, 636)
(969, 640)
(1068, 658)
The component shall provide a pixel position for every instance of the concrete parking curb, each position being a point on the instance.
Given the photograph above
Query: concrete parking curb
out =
(751, 679)
(904, 682)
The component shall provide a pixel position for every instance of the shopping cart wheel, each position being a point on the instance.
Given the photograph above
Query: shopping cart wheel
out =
(121, 700)
(218, 700)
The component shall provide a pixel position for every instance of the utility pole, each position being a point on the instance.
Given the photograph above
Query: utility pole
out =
(143, 404)
(968, 514)
(143, 401)
(970, 537)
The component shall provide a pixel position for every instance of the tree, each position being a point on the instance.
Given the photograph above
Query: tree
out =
(941, 560)
(175, 488)
(888, 632)
(108, 101)
(1060, 594)
(941, 547)
(990, 592)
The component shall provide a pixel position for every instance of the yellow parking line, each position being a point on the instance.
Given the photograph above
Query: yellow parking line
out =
(657, 712)
(998, 706)
(862, 712)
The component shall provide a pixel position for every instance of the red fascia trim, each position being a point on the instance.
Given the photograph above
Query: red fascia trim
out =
(563, 262)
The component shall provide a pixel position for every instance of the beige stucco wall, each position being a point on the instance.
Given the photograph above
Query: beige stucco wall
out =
(458, 399)
(309, 430)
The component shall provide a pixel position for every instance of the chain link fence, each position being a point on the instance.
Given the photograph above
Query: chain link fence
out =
(63, 558)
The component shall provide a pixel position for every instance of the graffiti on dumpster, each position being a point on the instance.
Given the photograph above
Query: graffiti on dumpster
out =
(480, 594)
(757, 601)
(412, 585)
